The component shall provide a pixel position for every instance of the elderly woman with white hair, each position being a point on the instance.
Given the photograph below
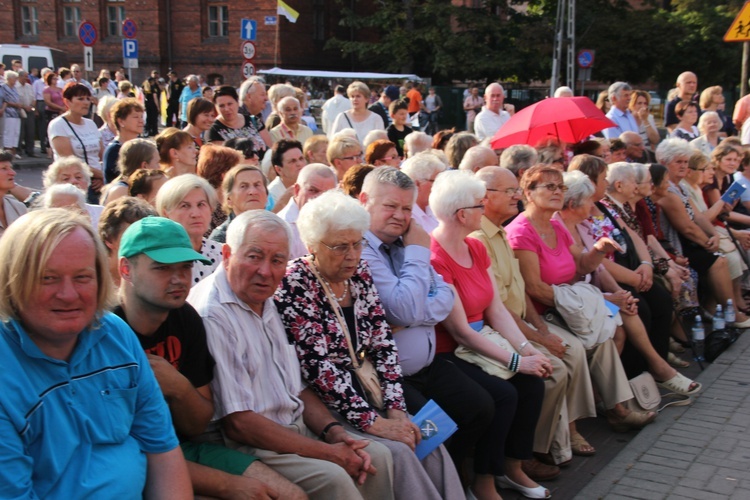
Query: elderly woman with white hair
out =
(65, 196)
(423, 168)
(331, 310)
(108, 128)
(481, 337)
(709, 125)
(688, 229)
(416, 142)
(190, 200)
(359, 118)
(71, 170)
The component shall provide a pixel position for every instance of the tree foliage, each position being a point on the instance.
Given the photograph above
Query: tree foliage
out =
(512, 40)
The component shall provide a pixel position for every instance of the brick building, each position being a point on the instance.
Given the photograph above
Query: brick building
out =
(191, 36)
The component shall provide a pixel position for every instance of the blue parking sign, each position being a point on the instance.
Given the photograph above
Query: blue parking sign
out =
(130, 49)
(248, 29)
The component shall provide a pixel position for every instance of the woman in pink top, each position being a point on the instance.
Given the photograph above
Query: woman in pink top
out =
(457, 199)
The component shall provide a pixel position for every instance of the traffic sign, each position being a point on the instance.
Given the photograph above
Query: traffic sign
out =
(248, 29)
(87, 33)
(739, 30)
(248, 69)
(129, 28)
(88, 59)
(585, 58)
(270, 20)
(130, 49)
(248, 50)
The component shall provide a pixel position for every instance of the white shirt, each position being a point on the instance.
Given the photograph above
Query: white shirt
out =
(88, 132)
(276, 188)
(256, 367)
(290, 213)
(373, 122)
(332, 108)
(487, 123)
(26, 95)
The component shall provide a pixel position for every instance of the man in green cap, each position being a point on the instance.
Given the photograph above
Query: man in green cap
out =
(156, 260)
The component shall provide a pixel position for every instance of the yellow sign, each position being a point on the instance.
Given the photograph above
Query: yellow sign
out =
(739, 31)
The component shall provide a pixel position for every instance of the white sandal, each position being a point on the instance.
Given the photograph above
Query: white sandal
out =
(681, 385)
(538, 492)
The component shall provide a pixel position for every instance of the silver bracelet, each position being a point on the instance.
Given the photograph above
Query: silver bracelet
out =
(523, 344)
(650, 264)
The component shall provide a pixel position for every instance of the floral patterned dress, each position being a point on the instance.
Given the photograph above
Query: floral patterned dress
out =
(321, 344)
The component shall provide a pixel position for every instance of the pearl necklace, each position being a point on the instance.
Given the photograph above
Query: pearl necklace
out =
(330, 289)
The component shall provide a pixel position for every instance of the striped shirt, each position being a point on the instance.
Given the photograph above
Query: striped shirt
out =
(256, 368)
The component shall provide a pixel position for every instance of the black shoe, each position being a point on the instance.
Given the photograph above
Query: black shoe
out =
(31, 155)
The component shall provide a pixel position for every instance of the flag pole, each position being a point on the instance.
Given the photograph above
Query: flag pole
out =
(276, 48)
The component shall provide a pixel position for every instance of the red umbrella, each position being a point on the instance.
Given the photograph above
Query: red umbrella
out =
(568, 119)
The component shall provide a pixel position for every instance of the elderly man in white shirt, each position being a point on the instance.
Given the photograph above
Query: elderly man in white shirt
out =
(494, 114)
(312, 181)
(260, 400)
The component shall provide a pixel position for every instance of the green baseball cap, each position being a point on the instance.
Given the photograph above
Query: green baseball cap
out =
(162, 239)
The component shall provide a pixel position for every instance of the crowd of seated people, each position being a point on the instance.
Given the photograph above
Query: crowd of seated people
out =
(294, 326)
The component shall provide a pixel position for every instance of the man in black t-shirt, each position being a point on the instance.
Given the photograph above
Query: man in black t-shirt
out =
(173, 101)
(156, 261)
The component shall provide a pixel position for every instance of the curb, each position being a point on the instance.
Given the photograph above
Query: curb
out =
(603, 482)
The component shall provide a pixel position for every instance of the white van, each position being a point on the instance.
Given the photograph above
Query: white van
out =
(33, 56)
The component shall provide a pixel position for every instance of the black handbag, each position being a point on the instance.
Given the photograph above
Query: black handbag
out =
(718, 341)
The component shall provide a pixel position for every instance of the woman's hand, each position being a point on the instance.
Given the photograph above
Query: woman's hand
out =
(624, 300)
(647, 277)
(606, 246)
(642, 114)
(675, 281)
(537, 365)
(712, 245)
(402, 430)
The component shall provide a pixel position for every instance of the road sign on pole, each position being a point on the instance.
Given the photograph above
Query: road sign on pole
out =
(88, 59)
(248, 69)
(248, 29)
(248, 50)
(585, 58)
(130, 49)
(129, 28)
(87, 33)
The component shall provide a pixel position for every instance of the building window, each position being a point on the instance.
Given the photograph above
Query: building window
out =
(115, 17)
(71, 20)
(218, 21)
(29, 21)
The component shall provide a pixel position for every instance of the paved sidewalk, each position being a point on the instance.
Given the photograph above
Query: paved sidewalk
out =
(695, 452)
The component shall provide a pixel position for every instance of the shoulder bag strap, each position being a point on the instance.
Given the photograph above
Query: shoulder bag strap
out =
(348, 120)
(336, 309)
(85, 155)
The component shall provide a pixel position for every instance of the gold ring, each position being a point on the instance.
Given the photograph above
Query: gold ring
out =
(412, 432)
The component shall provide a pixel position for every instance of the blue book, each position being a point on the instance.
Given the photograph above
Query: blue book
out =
(733, 193)
(613, 309)
(435, 426)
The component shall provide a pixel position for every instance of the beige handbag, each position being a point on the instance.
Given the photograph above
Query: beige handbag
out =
(488, 365)
(646, 392)
(361, 366)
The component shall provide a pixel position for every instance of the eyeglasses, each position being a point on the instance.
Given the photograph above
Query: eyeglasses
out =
(344, 248)
(480, 206)
(698, 169)
(353, 157)
(508, 191)
(552, 187)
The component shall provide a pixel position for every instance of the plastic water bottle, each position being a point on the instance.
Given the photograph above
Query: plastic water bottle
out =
(699, 337)
(729, 315)
(718, 321)
(620, 239)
